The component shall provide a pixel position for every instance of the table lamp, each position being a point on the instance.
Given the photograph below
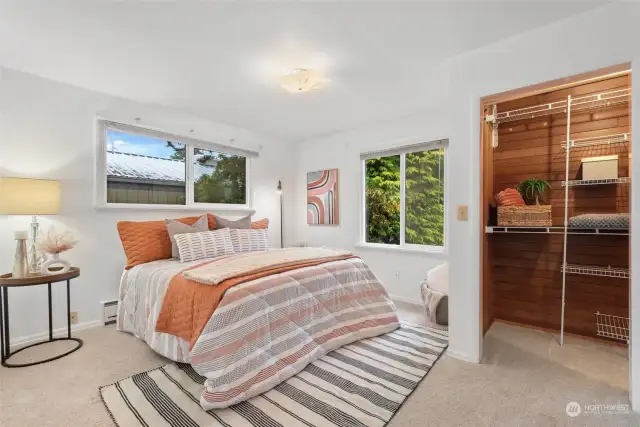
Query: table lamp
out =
(23, 196)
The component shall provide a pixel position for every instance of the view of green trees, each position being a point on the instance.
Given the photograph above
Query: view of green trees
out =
(424, 199)
(226, 184)
(383, 200)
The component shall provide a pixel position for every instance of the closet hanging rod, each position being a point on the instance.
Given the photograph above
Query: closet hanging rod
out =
(532, 112)
(598, 140)
(581, 103)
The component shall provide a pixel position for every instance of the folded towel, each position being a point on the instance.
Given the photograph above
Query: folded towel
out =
(618, 220)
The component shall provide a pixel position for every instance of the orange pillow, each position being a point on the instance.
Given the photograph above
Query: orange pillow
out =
(509, 197)
(146, 241)
(212, 221)
(261, 224)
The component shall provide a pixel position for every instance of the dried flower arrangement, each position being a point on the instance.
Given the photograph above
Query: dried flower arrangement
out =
(53, 242)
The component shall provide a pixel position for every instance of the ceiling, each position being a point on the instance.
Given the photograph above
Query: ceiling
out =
(221, 60)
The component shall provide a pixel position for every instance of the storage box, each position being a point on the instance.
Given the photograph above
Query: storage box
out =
(524, 216)
(603, 167)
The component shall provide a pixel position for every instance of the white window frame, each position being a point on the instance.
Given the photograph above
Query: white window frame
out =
(102, 125)
(403, 150)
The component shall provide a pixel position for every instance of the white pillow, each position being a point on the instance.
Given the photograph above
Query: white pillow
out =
(207, 244)
(438, 278)
(249, 240)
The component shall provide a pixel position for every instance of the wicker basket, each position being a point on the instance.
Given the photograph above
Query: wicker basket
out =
(524, 216)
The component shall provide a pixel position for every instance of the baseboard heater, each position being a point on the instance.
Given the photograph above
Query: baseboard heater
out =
(109, 311)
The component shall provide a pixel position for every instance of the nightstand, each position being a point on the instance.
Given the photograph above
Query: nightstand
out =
(7, 282)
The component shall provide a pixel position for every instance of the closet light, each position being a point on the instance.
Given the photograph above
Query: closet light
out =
(301, 80)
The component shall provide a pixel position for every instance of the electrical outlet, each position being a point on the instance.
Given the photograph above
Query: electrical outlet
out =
(74, 317)
(397, 275)
(463, 213)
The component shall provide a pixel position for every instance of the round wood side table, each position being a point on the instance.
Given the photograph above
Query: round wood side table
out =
(7, 282)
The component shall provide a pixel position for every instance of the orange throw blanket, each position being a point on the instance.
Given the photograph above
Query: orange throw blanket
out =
(188, 305)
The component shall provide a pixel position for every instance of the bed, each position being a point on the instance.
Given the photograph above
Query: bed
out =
(140, 297)
(264, 330)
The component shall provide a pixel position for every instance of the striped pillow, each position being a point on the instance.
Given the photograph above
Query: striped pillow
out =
(207, 244)
(249, 240)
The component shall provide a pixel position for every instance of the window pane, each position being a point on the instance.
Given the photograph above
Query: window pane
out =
(145, 170)
(424, 198)
(383, 200)
(219, 178)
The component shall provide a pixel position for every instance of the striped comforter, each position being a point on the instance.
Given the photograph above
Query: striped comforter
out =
(264, 331)
(267, 330)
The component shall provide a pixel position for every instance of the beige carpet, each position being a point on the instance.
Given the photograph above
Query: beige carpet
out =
(527, 380)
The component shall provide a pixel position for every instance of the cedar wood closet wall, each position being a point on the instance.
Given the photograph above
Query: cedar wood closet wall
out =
(525, 268)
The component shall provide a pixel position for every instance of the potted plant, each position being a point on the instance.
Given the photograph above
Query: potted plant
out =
(533, 188)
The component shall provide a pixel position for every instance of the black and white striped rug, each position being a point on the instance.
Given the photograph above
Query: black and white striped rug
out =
(359, 385)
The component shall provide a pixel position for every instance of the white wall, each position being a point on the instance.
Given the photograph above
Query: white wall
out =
(600, 38)
(47, 131)
(403, 272)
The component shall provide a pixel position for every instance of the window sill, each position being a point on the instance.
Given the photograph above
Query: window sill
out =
(191, 208)
(389, 248)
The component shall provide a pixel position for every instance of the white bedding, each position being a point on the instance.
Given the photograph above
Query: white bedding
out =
(140, 297)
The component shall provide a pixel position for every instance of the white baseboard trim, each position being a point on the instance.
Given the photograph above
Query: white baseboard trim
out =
(461, 356)
(406, 300)
(60, 332)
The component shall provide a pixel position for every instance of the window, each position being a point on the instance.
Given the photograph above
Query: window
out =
(144, 170)
(404, 196)
(138, 166)
(219, 177)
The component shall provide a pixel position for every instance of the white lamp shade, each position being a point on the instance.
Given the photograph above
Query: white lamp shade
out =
(21, 196)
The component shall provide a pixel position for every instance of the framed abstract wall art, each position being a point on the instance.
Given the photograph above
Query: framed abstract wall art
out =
(322, 197)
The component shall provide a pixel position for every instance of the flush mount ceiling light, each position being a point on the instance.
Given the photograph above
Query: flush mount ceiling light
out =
(301, 80)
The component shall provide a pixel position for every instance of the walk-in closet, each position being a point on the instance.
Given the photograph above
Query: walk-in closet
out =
(556, 163)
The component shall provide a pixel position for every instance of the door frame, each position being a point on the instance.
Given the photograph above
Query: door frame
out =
(485, 169)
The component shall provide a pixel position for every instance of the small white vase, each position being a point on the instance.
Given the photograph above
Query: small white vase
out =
(55, 261)
(20, 268)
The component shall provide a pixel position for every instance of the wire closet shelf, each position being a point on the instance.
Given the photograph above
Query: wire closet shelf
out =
(588, 270)
(578, 104)
(574, 182)
(618, 138)
(557, 230)
(606, 325)
(610, 326)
